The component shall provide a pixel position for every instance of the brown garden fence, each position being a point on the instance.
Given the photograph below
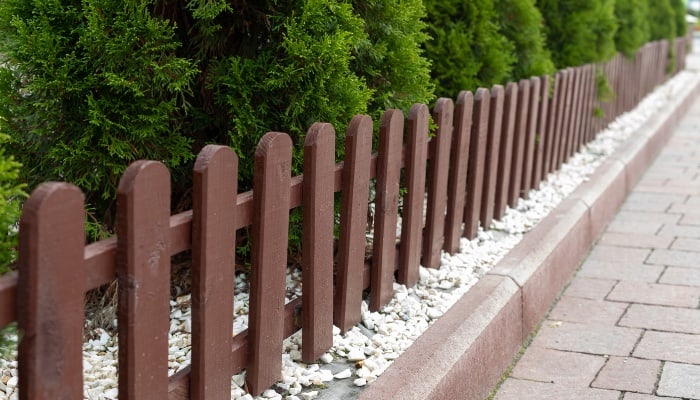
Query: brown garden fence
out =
(491, 147)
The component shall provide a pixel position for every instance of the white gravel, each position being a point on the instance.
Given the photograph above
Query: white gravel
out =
(367, 350)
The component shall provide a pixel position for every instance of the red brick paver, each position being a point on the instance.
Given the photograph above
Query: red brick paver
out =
(628, 325)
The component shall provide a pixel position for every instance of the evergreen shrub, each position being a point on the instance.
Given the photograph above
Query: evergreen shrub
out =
(521, 23)
(466, 49)
(662, 20)
(632, 26)
(11, 194)
(579, 31)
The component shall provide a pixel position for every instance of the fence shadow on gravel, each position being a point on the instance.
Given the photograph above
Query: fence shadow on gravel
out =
(491, 148)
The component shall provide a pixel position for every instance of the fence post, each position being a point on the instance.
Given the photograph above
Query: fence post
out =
(540, 136)
(386, 209)
(143, 273)
(493, 144)
(457, 178)
(317, 242)
(271, 187)
(353, 223)
(437, 183)
(552, 131)
(529, 159)
(477, 156)
(505, 157)
(516, 174)
(215, 182)
(50, 291)
(412, 221)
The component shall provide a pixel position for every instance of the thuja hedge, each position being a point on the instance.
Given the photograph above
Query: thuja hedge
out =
(88, 86)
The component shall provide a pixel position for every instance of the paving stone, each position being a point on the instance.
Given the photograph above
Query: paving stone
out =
(667, 319)
(654, 293)
(587, 311)
(586, 338)
(681, 276)
(589, 288)
(677, 258)
(517, 389)
(690, 231)
(633, 239)
(680, 380)
(690, 219)
(654, 202)
(619, 254)
(628, 374)
(639, 396)
(687, 244)
(618, 271)
(554, 366)
(669, 346)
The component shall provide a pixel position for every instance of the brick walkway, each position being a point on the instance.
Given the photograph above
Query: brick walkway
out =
(628, 325)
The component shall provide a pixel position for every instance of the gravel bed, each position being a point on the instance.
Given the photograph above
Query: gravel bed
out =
(358, 357)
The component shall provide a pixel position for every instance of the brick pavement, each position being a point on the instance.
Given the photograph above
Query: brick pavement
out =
(628, 325)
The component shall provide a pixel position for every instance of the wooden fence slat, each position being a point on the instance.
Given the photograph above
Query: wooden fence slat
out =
(271, 182)
(505, 157)
(540, 136)
(413, 200)
(552, 125)
(589, 102)
(493, 145)
(575, 115)
(457, 178)
(386, 208)
(353, 223)
(437, 183)
(317, 242)
(477, 157)
(530, 137)
(568, 110)
(143, 273)
(215, 183)
(559, 136)
(50, 293)
(516, 174)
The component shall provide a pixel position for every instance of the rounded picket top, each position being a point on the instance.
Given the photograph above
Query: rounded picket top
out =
(320, 134)
(273, 143)
(420, 114)
(49, 197)
(216, 155)
(141, 173)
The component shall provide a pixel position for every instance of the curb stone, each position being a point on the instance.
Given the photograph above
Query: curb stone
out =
(464, 354)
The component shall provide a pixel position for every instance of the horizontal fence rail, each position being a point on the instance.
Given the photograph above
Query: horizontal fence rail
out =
(490, 148)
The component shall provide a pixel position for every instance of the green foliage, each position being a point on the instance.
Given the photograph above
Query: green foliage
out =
(467, 50)
(680, 12)
(632, 26)
(391, 60)
(11, 194)
(301, 76)
(662, 20)
(579, 31)
(521, 23)
(86, 87)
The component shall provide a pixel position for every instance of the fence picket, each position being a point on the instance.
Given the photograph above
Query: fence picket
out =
(434, 236)
(566, 118)
(215, 182)
(353, 223)
(457, 178)
(412, 221)
(477, 157)
(530, 137)
(540, 135)
(386, 209)
(552, 119)
(317, 242)
(50, 293)
(493, 145)
(271, 182)
(505, 156)
(143, 273)
(516, 174)
(573, 124)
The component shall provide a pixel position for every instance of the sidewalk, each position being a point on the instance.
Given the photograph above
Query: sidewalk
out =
(628, 325)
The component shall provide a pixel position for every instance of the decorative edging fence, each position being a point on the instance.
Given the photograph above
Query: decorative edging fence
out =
(490, 148)
(464, 354)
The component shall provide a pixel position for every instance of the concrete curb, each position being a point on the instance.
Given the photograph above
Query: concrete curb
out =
(464, 354)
